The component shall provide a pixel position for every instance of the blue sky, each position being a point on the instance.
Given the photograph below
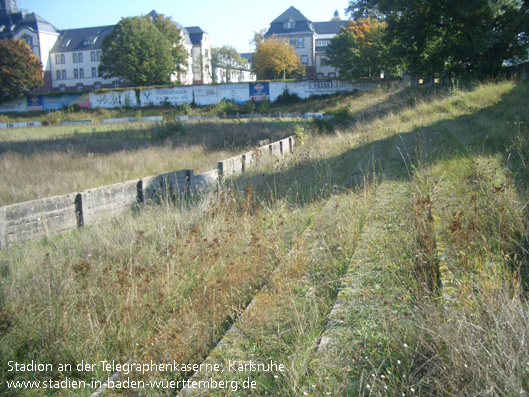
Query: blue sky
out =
(228, 22)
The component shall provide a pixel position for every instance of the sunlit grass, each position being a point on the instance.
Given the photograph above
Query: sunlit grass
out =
(413, 212)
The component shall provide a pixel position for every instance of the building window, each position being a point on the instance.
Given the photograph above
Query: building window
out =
(79, 87)
(60, 59)
(319, 76)
(63, 58)
(77, 57)
(97, 85)
(98, 55)
(292, 42)
(322, 43)
(76, 73)
(28, 40)
(80, 57)
(74, 56)
(290, 24)
(332, 75)
(62, 88)
(81, 73)
(301, 42)
(115, 84)
(94, 72)
(63, 75)
(58, 74)
(324, 62)
(304, 59)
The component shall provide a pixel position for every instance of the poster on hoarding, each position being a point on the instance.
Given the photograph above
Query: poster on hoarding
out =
(166, 96)
(59, 102)
(259, 92)
(35, 104)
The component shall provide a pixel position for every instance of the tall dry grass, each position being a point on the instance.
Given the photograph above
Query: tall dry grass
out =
(158, 285)
(45, 164)
(166, 282)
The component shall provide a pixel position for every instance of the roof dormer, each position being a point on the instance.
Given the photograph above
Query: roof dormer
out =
(89, 40)
(289, 24)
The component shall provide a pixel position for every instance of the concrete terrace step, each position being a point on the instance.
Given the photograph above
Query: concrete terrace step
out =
(230, 346)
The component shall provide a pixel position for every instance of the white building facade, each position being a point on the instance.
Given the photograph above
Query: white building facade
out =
(309, 39)
(39, 34)
(76, 57)
(71, 58)
(75, 60)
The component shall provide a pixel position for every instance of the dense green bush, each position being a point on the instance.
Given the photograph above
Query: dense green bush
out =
(287, 98)
(227, 107)
(168, 130)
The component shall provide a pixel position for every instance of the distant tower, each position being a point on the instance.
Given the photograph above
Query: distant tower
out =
(8, 7)
(336, 16)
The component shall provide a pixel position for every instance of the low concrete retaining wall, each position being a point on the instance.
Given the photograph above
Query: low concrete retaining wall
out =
(249, 159)
(21, 125)
(230, 167)
(39, 218)
(162, 186)
(275, 149)
(205, 181)
(286, 146)
(104, 202)
(75, 122)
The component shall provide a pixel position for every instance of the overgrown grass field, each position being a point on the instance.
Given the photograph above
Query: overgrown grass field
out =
(49, 161)
(386, 256)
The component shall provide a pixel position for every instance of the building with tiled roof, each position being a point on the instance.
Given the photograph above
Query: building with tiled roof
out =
(310, 39)
(76, 55)
(39, 34)
(75, 60)
(71, 57)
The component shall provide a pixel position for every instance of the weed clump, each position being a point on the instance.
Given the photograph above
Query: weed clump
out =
(226, 108)
(168, 130)
(287, 98)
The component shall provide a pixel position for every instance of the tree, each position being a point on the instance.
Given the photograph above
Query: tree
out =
(174, 37)
(451, 36)
(359, 50)
(137, 51)
(20, 70)
(258, 37)
(275, 58)
(226, 59)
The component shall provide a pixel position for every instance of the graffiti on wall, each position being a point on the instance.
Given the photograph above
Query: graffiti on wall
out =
(113, 99)
(20, 105)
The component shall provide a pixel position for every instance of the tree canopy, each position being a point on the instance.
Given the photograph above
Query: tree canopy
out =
(174, 36)
(20, 69)
(359, 50)
(137, 51)
(227, 59)
(451, 36)
(275, 58)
